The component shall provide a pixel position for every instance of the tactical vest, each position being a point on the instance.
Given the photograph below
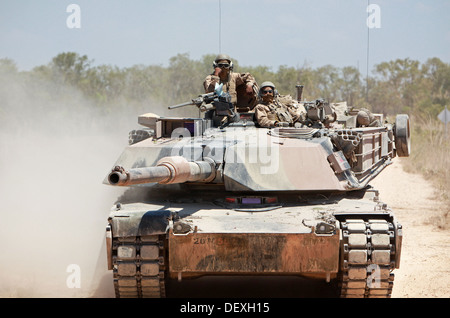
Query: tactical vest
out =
(230, 88)
(279, 113)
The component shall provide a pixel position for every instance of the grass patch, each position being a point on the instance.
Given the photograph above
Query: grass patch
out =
(430, 156)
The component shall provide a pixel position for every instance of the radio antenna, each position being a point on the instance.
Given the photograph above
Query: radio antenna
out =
(367, 56)
(220, 27)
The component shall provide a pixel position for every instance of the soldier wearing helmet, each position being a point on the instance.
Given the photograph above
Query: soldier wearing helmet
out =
(275, 110)
(365, 118)
(242, 87)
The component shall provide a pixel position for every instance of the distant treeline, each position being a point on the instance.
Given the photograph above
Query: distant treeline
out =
(400, 86)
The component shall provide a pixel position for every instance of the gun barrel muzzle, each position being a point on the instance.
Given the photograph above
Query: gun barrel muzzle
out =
(138, 175)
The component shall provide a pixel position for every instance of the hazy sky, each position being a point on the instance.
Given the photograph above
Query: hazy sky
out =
(254, 32)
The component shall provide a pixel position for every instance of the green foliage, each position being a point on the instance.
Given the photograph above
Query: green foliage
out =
(399, 86)
(407, 86)
(7, 66)
(429, 157)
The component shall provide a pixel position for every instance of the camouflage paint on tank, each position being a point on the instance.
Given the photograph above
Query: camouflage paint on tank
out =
(315, 217)
(253, 159)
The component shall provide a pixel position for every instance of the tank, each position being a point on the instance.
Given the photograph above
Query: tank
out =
(218, 195)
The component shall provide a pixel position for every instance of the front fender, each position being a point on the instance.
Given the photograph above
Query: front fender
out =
(126, 224)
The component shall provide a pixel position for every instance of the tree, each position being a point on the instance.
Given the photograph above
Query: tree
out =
(70, 67)
(8, 66)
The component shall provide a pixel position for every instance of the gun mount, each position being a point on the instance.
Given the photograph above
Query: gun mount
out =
(217, 106)
(319, 113)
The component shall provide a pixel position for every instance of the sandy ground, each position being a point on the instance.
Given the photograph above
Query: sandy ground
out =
(424, 270)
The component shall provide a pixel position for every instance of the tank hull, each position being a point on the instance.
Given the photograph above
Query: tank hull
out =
(253, 254)
(333, 238)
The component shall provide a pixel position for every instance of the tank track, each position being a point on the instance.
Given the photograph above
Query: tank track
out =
(367, 258)
(139, 266)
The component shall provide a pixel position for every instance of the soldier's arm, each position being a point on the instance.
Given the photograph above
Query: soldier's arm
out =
(245, 78)
(210, 83)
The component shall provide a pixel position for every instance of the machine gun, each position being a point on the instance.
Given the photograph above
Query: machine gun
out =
(319, 113)
(217, 106)
(201, 100)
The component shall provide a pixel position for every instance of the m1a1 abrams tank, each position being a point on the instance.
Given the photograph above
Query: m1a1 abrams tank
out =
(221, 196)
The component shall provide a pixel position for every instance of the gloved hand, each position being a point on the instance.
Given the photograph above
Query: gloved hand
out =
(217, 71)
(249, 89)
(281, 124)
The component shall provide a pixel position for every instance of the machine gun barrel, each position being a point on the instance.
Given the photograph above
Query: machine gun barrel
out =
(201, 99)
(168, 170)
(182, 105)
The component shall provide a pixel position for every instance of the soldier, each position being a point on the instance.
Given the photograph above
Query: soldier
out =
(242, 87)
(365, 118)
(276, 110)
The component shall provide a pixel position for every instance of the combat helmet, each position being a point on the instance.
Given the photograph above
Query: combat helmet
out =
(220, 57)
(268, 84)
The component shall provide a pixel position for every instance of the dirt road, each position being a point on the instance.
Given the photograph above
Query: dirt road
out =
(425, 254)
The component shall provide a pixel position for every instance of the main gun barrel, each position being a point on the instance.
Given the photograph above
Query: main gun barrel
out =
(168, 170)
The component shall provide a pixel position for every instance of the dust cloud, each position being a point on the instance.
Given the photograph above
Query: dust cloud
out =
(56, 149)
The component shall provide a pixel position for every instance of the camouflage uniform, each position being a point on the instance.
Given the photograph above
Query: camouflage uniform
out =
(232, 86)
(282, 109)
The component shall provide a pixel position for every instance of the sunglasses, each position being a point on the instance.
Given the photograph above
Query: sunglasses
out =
(224, 65)
(268, 91)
